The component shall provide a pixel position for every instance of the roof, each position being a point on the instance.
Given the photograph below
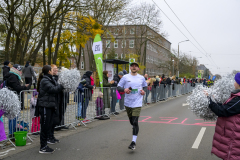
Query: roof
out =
(115, 61)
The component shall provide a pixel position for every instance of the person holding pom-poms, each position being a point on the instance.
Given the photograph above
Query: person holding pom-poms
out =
(48, 90)
(226, 140)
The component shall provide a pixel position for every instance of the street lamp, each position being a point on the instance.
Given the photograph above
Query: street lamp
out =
(178, 54)
(173, 67)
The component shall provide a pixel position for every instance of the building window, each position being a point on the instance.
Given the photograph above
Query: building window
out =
(82, 52)
(132, 31)
(124, 45)
(131, 44)
(121, 55)
(116, 31)
(108, 43)
(82, 65)
(116, 44)
(116, 56)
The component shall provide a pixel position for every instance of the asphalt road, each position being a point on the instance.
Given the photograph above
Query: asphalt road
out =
(168, 131)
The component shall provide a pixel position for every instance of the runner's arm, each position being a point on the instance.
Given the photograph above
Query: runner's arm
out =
(120, 86)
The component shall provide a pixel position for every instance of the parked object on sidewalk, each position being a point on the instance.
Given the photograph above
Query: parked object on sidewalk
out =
(20, 138)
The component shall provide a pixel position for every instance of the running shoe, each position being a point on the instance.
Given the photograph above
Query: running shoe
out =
(51, 141)
(46, 150)
(132, 146)
(56, 140)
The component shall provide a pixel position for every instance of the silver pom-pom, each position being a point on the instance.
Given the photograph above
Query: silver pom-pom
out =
(9, 103)
(70, 79)
(221, 90)
(199, 103)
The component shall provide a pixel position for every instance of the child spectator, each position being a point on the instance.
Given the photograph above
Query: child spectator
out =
(35, 120)
(99, 104)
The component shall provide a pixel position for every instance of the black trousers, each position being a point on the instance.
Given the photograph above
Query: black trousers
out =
(28, 80)
(46, 124)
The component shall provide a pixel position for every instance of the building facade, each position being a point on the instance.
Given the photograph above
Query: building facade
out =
(141, 42)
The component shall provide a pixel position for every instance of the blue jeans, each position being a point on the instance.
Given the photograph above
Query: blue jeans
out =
(146, 96)
(84, 107)
(79, 113)
(12, 125)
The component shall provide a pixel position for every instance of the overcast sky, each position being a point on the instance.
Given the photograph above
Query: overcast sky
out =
(215, 24)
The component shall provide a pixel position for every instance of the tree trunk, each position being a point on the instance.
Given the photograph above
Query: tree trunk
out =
(44, 55)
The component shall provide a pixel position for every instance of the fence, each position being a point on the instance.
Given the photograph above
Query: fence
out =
(75, 106)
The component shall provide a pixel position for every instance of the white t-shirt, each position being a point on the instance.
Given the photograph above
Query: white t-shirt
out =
(134, 99)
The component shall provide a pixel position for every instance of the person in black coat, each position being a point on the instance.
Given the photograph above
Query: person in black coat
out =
(13, 82)
(87, 92)
(47, 102)
(116, 79)
(6, 68)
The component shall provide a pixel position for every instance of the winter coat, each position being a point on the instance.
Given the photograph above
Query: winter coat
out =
(156, 83)
(163, 83)
(116, 80)
(6, 70)
(168, 81)
(79, 94)
(48, 92)
(99, 103)
(13, 83)
(28, 72)
(88, 86)
(226, 140)
(106, 96)
(2, 131)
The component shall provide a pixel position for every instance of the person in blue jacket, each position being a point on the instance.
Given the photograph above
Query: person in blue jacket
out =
(80, 99)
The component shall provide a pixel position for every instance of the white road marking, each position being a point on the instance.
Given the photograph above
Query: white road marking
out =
(185, 104)
(6, 152)
(199, 138)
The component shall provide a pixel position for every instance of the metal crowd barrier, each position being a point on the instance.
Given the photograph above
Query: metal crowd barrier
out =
(81, 107)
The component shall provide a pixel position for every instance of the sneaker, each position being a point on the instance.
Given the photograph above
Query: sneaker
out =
(51, 141)
(116, 113)
(64, 127)
(132, 146)
(56, 140)
(46, 150)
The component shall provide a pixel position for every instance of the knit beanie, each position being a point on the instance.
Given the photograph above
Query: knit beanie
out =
(237, 78)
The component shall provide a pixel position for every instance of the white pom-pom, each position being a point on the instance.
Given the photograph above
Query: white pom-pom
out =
(70, 79)
(199, 103)
(9, 103)
(221, 90)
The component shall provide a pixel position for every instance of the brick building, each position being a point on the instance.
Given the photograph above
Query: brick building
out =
(152, 49)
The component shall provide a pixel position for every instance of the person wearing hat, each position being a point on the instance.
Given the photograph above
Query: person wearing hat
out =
(28, 73)
(133, 85)
(125, 72)
(14, 82)
(226, 139)
(6, 68)
(116, 79)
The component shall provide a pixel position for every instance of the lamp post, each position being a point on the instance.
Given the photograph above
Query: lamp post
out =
(178, 54)
(173, 67)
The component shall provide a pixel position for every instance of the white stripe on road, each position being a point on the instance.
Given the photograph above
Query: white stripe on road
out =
(199, 138)
(185, 104)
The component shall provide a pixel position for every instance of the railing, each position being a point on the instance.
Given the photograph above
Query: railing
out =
(74, 107)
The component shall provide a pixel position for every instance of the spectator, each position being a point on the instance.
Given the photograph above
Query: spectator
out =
(34, 79)
(116, 80)
(125, 72)
(87, 93)
(168, 80)
(106, 97)
(48, 103)
(150, 83)
(147, 90)
(6, 68)
(28, 73)
(63, 101)
(154, 89)
(100, 105)
(13, 81)
(35, 120)
(79, 98)
(164, 82)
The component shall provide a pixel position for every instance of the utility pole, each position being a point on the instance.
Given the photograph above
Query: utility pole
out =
(178, 55)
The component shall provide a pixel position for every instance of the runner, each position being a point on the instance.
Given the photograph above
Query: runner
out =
(133, 85)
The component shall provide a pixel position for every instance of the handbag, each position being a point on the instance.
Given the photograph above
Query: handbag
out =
(118, 95)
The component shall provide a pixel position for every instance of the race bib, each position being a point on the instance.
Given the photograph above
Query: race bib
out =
(134, 91)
